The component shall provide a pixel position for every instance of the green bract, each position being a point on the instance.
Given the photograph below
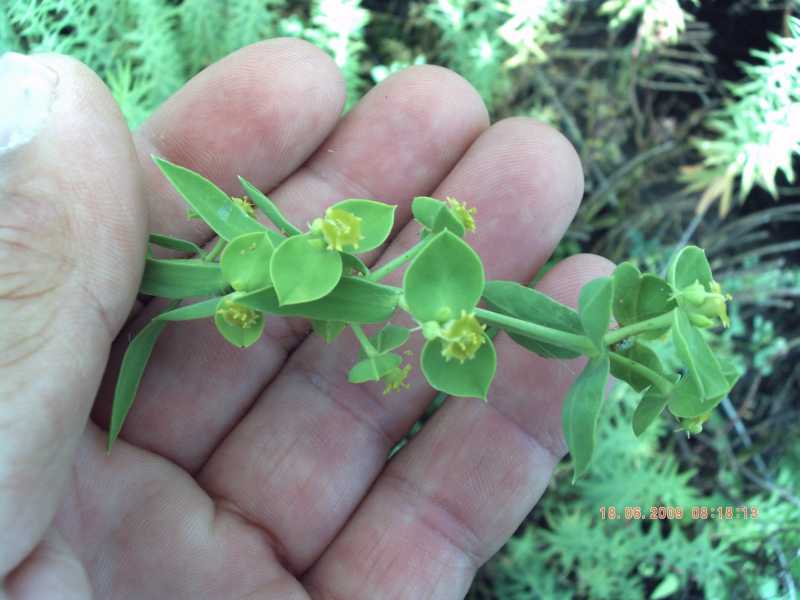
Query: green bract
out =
(241, 325)
(245, 261)
(376, 223)
(435, 216)
(444, 279)
(469, 379)
(302, 269)
(253, 271)
(638, 297)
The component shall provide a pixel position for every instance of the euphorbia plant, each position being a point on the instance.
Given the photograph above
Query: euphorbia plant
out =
(255, 271)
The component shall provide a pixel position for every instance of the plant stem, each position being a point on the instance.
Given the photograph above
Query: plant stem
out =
(397, 261)
(562, 339)
(215, 250)
(663, 384)
(659, 322)
(364, 340)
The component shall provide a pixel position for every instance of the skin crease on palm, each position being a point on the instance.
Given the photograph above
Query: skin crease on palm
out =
(262, 473)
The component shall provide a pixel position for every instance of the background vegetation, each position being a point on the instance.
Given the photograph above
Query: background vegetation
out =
(686, 115)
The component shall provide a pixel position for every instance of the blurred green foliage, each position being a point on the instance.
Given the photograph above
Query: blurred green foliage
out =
(636, 86)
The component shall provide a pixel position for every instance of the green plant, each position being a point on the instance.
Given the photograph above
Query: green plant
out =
(317, 275)
(758, 129)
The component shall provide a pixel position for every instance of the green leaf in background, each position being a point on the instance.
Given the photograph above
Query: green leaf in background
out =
(353, 300)
(245, 261)
(694, 352)
(582, 410)
(377, 220)
(268, 207)
(594, 308)
(650, 406)
(241, 325)
(173, 243)
(212, 204)
(470, 379)
(303, 270)
(351, 262)
(329, 330)
(521, 302)
(447, 220)
(181, 278)
(388, 338)
(689, 265)
(372, 369)
(138, 353)
(444, 279)
(639, 297)
(640, 353)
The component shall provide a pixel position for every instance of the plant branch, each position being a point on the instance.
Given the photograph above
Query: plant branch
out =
(397, 261)
(662, 384)
(364, 340)
(659, 322)
(562, 339)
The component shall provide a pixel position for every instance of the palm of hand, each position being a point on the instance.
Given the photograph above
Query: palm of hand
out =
(263, 473)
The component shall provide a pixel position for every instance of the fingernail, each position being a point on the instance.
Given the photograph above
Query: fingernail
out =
(28, 93)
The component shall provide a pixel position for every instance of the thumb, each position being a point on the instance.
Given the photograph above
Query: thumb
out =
(72, 232)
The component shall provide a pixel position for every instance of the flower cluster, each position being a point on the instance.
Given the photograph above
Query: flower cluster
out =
(338, 228)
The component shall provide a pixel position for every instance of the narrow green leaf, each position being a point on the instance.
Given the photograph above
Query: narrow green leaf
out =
(694, 352)
(173, 243)
(521, 302)
(444, 279)
(213, 205)
(640, 353)
(353, 300)
(269, 208)
(470, 379)
(650, 406)
(302, 270)
(582, 411)
(181, 278)
(377, 220)
(594, 308)
(245, 261)
(130, 375)
(372, 369)
(138, 353)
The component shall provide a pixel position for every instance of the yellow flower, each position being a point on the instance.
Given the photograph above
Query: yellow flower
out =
(246, 205)
(462, 213)
(238, 315)
(695, 424)
(462, 337)
(707, 303)
(339, 228)
(396, 379)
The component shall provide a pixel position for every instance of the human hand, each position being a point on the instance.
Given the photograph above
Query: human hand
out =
(257, 473)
